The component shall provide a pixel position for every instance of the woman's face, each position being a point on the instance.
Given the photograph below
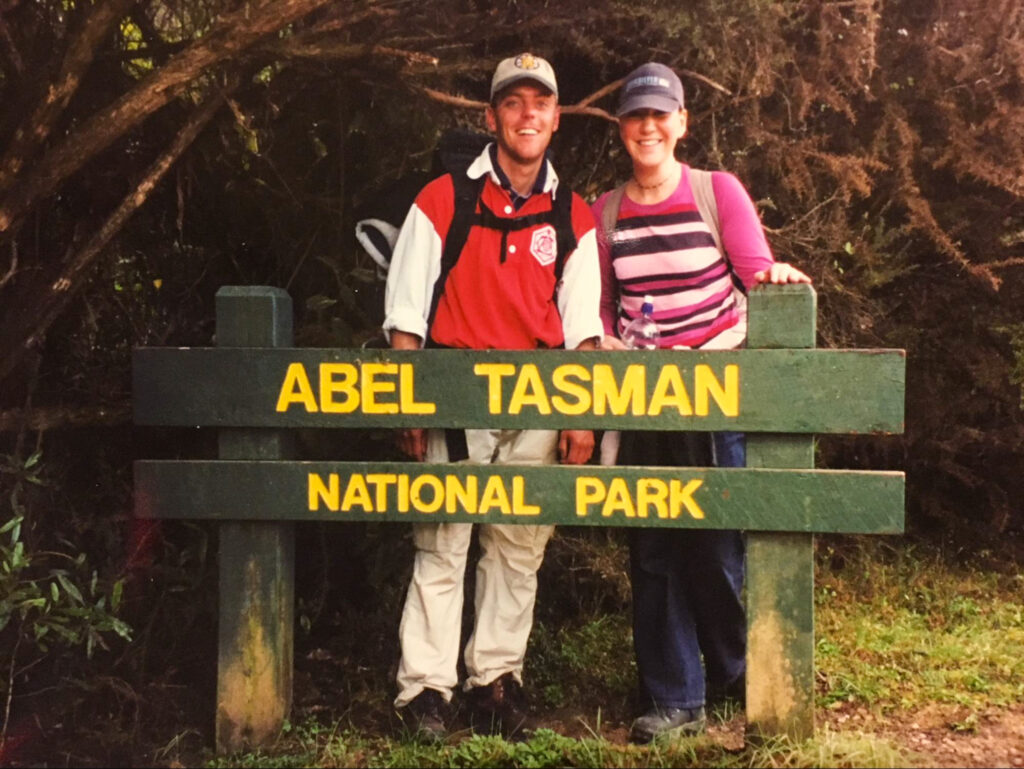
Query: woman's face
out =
(650, 136)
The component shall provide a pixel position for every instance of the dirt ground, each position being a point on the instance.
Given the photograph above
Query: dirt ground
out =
(937, 736)
(947, 736)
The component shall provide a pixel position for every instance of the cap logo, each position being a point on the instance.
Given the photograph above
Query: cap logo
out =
(526, 61)
(647, 80)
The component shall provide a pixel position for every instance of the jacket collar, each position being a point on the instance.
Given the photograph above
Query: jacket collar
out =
(547, 179)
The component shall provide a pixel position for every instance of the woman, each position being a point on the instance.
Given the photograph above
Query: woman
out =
(686, 583)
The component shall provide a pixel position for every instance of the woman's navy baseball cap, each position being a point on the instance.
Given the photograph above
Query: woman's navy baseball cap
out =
(651, 86)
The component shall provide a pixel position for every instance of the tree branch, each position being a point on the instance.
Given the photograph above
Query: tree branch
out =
(704, 79)
(600, 92)
(455, 101)
(24, 326)
(464, 103)
(57, 417)
(12, 50)
(233, 34)
(36, 128)
(315, 50)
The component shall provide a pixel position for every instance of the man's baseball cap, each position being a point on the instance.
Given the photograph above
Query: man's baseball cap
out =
(525, 66)
(651, 86)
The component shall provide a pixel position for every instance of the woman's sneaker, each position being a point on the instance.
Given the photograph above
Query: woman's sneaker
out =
(661, 723)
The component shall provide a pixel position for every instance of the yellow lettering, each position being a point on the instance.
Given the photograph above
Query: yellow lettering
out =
(682, 496)
(670, 391)
(356, 493)
(456, 494)
(347, 385)
(589, 491)
(318, 491)
(437, 488)
(618, 499)
(561, 381)
(403, 494)
(380, 482)
(372, 388)
(296, 389)
(495, 496)
(519, 506)
(727, 397)
(529, 391)
(607, 393)
(494, 372)
(406, 397)
(652, 491)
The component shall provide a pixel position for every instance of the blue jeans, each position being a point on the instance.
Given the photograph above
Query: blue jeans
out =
(687, 603)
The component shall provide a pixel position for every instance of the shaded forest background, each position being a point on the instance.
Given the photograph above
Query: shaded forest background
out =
(152, 151)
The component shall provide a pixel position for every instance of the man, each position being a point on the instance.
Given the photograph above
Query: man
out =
(510, 289)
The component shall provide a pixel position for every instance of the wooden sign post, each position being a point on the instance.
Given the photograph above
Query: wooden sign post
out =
(255, 388)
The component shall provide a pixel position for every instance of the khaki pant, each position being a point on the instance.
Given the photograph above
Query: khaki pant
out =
(506, 580)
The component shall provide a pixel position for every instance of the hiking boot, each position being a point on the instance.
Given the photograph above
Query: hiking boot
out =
(424, 716)
(667, 723)
(499, 707)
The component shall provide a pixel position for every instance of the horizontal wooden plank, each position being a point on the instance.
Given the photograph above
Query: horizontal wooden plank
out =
(751, 499)
(793, 391)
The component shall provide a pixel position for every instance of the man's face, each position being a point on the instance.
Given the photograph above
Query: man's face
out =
(523, 120)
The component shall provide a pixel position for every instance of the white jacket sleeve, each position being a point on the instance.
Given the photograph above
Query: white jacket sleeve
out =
(415, 268)
(579, 296)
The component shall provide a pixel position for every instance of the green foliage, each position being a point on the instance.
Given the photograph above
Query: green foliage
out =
(1015, 333)
(48, 600)
(572, 662)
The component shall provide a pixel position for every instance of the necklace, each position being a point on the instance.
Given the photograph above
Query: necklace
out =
(653, 186)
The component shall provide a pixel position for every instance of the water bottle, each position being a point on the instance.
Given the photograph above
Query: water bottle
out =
(642, 333)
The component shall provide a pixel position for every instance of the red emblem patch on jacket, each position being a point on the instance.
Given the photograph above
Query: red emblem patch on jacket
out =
(544, 245)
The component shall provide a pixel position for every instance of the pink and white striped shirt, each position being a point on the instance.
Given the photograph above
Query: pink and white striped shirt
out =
(667, 251)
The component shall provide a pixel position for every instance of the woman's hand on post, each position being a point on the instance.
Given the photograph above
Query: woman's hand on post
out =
(412, 441)
(575, 447)
(781, 272)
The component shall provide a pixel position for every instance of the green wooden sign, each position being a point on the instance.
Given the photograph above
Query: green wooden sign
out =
(255, 385)
(762, 500)
(794, 391)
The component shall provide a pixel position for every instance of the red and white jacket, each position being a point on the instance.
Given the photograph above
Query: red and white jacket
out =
(490, 302)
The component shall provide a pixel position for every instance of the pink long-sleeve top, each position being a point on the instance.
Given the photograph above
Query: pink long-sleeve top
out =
(666, 251)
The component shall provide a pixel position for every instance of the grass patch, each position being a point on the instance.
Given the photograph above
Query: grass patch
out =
(896, 630)
(549, 749)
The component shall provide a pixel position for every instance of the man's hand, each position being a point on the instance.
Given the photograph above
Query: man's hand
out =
(780, 272)
(412, 441)
(575, 446)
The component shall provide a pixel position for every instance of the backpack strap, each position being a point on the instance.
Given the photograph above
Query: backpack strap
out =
(707, 205)
(467, 193)
(610, 213)
(561, 206)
